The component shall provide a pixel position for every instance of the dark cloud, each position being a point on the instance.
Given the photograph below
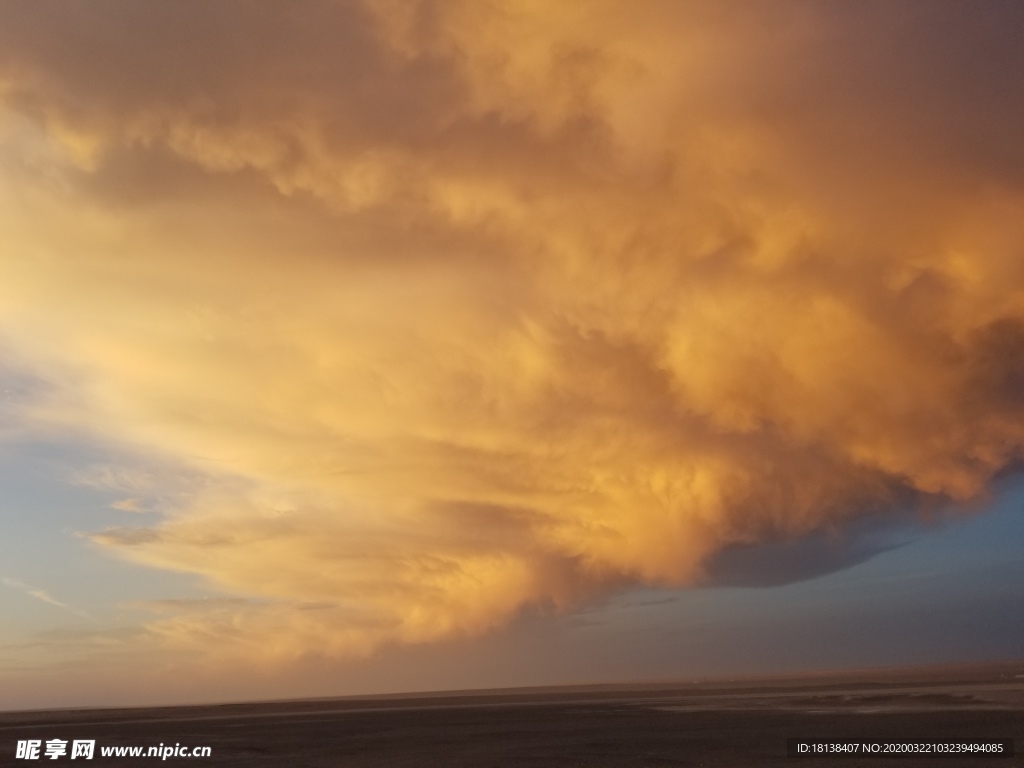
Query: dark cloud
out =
(785, 561)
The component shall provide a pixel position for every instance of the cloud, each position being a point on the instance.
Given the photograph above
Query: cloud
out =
(773, 563)
(460, 310)
(38, 594)
(129, 505)
(42, 594)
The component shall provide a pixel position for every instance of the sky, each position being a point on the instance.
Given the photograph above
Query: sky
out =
(373, 346)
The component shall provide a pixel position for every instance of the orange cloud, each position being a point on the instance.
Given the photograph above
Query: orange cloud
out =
(468, 308)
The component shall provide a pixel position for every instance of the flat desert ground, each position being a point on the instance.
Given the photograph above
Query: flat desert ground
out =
(723, 723)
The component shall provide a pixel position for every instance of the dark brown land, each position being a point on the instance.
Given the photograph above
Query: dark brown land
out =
(725, 723)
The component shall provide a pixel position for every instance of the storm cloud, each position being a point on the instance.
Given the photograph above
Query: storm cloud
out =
(462, 309)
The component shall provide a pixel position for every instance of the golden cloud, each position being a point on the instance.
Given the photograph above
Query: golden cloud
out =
(467, 308)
